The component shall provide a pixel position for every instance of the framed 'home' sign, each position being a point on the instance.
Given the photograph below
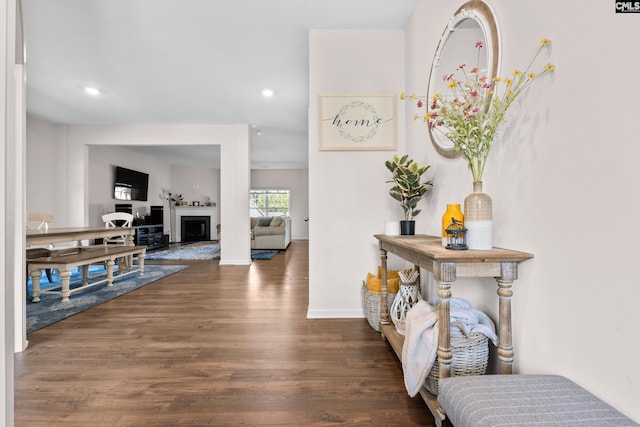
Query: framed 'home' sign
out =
(351, 121)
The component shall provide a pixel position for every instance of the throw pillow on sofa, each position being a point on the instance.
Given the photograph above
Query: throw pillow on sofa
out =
(276, 222)
(264, 222)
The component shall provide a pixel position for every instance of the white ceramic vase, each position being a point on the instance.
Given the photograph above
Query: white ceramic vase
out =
(478, 218)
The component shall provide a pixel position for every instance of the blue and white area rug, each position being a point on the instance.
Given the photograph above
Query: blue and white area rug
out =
(51, 309)
(202, 251)
(190, 251)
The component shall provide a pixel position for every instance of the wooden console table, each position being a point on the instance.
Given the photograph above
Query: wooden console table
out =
(446, 265)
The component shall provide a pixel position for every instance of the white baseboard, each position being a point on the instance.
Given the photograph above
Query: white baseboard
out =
(235, 262)
(335, 314)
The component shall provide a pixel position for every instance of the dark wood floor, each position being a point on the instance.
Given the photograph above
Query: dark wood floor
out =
(213, 346)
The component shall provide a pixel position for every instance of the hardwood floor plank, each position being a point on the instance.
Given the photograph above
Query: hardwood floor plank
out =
(213, 346)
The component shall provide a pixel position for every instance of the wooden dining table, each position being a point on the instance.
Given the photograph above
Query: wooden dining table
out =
(76, 234)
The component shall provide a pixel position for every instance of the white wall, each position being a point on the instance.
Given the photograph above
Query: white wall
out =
(348, 196)
(102, 161)
(11, 189)
(46, 184)
(196, 183)
(297, 182)
(46, 167)
(91, 151)
(562, 181)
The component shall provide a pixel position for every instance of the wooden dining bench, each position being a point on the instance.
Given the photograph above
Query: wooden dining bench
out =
(66, 261)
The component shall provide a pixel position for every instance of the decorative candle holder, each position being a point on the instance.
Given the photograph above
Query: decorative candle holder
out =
(456, 236)
(408, 295)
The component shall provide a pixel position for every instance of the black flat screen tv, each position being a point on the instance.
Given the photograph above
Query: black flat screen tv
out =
(130, 184)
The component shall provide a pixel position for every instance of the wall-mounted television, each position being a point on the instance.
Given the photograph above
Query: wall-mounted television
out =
(130, 184)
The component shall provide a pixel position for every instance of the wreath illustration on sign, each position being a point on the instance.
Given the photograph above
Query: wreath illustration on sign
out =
(368, 108)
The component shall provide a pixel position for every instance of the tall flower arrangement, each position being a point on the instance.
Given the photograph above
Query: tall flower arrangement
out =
(471, 113)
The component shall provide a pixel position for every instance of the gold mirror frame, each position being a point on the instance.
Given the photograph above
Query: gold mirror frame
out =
(483, 16)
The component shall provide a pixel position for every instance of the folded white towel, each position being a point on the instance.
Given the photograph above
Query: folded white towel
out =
(473, 321)
(420, 345)
(421, 337)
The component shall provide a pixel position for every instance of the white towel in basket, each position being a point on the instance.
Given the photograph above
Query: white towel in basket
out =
(421, 337)
(420, 345)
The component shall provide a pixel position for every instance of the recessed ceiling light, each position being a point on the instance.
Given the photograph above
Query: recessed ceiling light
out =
(91, 91)
(267, 93)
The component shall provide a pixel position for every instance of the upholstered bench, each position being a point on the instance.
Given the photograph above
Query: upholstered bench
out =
(524, 400)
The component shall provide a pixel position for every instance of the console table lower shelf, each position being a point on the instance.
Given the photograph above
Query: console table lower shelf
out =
(396, 341)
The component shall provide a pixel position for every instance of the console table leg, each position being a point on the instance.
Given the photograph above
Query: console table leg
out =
(445, 274)
(384, 309)
(505, 292)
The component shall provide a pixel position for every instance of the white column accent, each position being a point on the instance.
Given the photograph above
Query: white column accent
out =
(235, 242)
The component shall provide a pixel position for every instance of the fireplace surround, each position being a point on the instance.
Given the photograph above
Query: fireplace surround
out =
(195, 227)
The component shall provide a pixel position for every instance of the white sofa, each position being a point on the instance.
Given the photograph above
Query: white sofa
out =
(270, 232)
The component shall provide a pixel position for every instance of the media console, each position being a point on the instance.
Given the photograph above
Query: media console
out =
(151, 236)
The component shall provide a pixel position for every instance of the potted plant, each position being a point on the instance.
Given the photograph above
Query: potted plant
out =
(407, 188)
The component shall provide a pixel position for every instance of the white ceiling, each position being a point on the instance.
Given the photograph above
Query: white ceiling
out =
(188, 62)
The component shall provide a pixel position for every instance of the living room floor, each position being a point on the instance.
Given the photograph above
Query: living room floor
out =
(211, 345)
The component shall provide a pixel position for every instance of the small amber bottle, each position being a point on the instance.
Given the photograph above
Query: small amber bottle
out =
(453, 211)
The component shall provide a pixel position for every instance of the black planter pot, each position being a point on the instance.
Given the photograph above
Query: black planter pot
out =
(407, 228)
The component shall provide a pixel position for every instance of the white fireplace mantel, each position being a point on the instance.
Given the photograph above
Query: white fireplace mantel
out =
(181, 211)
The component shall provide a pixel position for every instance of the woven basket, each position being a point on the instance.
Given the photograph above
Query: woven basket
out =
(470, 357)
(371, 306)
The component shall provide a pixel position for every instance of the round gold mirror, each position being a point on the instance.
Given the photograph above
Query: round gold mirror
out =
(473, 22)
